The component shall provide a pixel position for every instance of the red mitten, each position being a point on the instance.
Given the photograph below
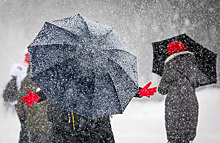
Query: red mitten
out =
(147, 92)
(31, 98)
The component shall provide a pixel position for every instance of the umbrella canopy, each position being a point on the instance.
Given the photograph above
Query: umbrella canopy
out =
(83, 66)
(205, 58)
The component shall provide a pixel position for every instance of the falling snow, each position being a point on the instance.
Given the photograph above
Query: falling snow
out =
(138, 24)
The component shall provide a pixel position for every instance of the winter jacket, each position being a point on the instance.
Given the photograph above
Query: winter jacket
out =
(137, 94)
(62, 124)
(97, 130)
(179, 78)
(67, 125)
(36, 116)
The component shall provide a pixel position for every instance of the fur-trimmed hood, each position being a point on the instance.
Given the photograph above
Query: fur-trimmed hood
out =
(177, 54)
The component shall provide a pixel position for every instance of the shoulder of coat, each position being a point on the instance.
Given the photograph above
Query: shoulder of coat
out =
(177, 54)
(29, 83)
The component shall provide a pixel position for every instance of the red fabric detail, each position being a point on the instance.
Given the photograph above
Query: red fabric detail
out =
(175, 47)
(27, 58)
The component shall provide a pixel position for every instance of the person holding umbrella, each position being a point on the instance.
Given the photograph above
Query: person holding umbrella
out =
(84, 67)
(179, 79)
(71, 127)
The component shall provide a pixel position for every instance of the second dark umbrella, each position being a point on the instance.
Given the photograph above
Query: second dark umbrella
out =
(205, 58)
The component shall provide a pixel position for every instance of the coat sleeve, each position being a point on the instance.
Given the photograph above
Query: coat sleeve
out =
(164, 84)
(137, 94)
(42, 95)
(10, 92)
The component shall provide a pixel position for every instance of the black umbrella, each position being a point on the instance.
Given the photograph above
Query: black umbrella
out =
(83, 66)
(205, 58)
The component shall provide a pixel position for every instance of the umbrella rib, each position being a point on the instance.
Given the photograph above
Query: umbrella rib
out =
(51, 45)
(46, 68)
(79, 59)
(72, 34)
(115, 84)
(117, 96)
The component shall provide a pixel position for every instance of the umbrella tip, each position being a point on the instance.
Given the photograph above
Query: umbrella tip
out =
(78, 15)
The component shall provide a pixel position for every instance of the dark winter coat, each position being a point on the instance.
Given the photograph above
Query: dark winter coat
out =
(62, 123)
(97, 130)
(70, 127)
(181, 106)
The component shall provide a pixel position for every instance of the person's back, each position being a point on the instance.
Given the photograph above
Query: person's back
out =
(96, 130)
(62, 123)
(71, 127)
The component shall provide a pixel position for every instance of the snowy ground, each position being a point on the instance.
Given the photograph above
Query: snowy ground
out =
(142, 121)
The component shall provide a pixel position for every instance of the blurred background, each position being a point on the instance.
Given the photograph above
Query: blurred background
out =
(138, 22)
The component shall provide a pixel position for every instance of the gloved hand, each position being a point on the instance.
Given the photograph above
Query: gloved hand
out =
(146, 91)
(31, 98)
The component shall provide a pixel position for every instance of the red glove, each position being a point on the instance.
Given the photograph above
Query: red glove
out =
(147, 92)
(31, 98)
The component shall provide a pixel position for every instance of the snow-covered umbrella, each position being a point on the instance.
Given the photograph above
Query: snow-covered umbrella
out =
(205, 58)
(83, 66)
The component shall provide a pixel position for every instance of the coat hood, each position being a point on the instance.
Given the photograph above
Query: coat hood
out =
(177, 54)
